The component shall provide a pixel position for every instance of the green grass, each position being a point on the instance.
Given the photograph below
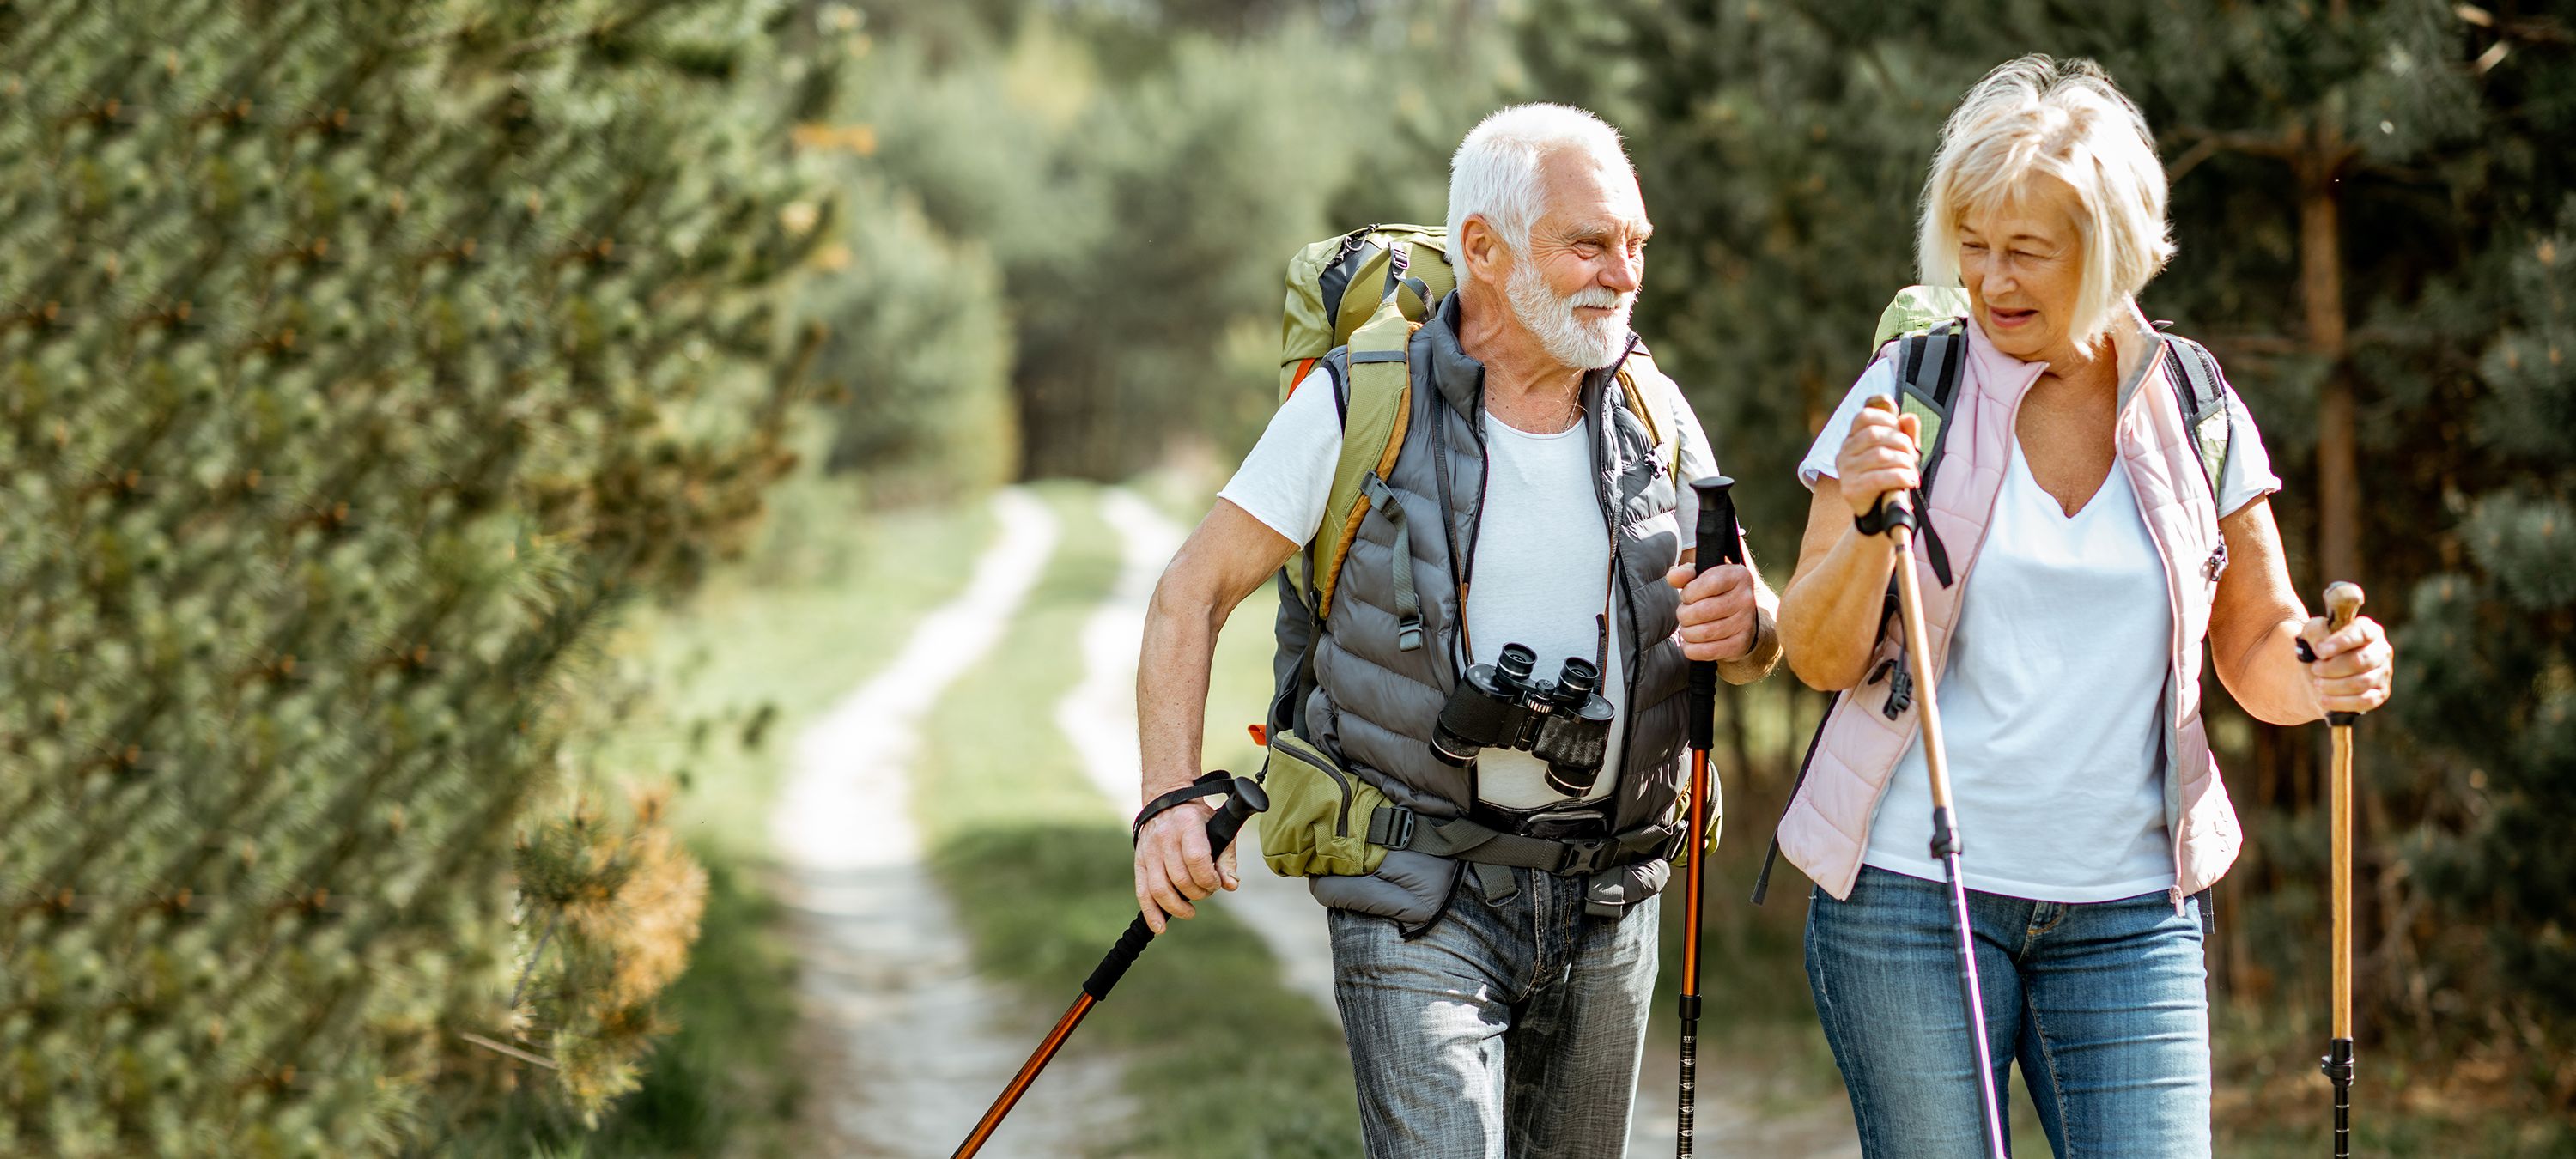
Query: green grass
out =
(726, 680)
(1225, 1060)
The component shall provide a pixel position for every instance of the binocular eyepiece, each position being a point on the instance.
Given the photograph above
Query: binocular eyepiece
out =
(1565, 722)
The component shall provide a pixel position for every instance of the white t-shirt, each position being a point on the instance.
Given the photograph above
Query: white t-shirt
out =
(1542, 556)
(2048, 703)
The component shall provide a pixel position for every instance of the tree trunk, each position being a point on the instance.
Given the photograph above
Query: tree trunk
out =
(1737, 736)
(2320, 166)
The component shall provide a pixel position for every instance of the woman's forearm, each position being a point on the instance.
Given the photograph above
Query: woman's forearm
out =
(2254, 622)
(1829, 616)
(2268, 680)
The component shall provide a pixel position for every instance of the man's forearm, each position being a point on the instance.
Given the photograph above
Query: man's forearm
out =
(1171, 695)
(1755, 664)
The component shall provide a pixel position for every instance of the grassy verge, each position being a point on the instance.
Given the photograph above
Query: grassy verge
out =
(1225, 1060)
(724, 681)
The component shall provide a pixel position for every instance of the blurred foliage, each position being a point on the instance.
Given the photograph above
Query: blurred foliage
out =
(357, 363)
(1783, 150)
(1138, 174)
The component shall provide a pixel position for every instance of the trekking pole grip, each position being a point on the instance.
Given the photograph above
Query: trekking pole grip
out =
(1893, 509)
(1241, 803)
(1245, 800)
(2343, 602)
(1719, 541)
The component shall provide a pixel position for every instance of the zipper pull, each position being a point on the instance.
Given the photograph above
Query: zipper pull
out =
(2217, 564)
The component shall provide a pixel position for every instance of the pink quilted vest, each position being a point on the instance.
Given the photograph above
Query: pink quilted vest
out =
(1826, 827)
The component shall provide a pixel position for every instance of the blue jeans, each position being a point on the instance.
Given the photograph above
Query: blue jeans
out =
(1519, 1019)
(2105, 1005)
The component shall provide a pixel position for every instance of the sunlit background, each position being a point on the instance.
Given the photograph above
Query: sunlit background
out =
(569, 572)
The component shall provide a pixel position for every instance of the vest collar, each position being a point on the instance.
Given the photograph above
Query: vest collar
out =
(1459, 379)
(2136, 351)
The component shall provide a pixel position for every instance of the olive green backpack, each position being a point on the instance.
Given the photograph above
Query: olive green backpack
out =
(1369, 290)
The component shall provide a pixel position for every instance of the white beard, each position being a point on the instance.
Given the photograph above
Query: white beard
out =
(1579, 344)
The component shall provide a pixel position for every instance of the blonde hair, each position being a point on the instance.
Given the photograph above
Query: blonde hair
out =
(1495, 173)
(2063, 119)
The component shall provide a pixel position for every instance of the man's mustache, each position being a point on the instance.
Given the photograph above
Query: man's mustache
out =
(1598, 297)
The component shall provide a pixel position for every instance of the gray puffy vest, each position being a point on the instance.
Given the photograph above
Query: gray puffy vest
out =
(1372, 704)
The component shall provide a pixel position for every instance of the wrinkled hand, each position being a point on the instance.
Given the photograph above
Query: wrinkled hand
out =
(2353, 667)
(1173, 868)
(1877, 457)
(1717, 615)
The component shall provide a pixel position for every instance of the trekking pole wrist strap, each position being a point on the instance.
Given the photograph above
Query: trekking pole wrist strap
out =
(1208, 785)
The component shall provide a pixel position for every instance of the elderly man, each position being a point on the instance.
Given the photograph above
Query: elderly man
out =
(1494, 964)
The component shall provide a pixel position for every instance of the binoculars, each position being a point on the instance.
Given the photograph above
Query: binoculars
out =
(1564, 722)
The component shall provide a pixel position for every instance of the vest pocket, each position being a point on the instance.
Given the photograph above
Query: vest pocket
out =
(1318, 820)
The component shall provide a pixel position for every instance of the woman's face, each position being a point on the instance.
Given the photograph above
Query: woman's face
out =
(2022, 261)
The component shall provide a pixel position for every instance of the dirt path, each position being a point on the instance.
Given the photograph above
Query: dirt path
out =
(909, 1049)
(1743, 1108)
(1099, 718)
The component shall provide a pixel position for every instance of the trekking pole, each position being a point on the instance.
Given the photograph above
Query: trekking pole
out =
(1719, 543)
(2343, 602)
(1245, 799)
(1896, 517)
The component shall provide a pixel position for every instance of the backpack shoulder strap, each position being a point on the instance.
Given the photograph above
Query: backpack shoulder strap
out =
(1653, 397)
(2201, 392)
(1929, 367)
(1377, 406)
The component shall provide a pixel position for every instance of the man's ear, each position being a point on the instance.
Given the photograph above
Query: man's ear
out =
(1480, 250)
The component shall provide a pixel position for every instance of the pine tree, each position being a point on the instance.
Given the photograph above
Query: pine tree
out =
(2489, 690)
(357, 363)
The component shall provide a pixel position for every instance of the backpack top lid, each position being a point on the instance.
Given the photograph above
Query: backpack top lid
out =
(1336, 284)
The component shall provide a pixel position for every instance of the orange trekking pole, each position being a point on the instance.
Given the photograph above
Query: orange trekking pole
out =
(1245, 799)
(1719, 542)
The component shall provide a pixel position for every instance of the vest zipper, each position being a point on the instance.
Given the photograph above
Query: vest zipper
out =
(1602, 434)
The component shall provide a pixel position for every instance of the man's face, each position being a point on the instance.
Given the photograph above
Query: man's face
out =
(1587, 253)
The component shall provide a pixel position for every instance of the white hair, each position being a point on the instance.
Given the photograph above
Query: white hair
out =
(1495, 173)
(2038, 116)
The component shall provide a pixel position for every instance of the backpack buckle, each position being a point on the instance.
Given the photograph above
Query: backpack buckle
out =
(1900, 689)
(1392, 827)
(1583, 858)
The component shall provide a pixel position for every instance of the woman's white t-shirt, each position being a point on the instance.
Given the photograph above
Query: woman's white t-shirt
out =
(1542, 554)
(2050, 700)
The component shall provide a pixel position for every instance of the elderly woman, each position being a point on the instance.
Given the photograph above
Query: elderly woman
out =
(2092, 553)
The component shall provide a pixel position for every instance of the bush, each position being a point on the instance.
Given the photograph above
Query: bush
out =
(356, 363)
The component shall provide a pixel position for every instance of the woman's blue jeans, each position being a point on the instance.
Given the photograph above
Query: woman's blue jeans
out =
(2105, 1005)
